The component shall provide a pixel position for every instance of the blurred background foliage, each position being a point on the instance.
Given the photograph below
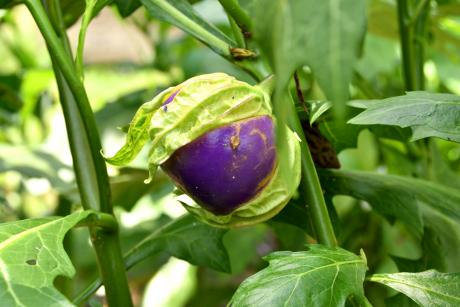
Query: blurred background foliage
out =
(129, 60)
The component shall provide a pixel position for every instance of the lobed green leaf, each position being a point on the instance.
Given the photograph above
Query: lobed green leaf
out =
(429, 288)
(321, 276)
(31, 256)
(394, 196)
(427, 114)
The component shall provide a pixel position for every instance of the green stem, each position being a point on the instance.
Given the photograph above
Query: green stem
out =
(420, 29)
(93, 196)
(406, 36)
(194, 28)
(312, 192)
(237, 34)
(412, 29)
(89, 166)
(233, 9)
(310, 186)
(88, 14)
(100, 220)
(418, 10)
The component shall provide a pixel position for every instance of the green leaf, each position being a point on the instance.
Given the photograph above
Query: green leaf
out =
(394, 196)
(181, 14)
(429, 288)
(31, 256)
(325, 35)
(427, 114)
(318, 108)
(341, 135)
(188, 239)
(321, 276)
(7, 3)
(127, 7)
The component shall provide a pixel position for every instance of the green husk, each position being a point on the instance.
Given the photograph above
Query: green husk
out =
(201, 104)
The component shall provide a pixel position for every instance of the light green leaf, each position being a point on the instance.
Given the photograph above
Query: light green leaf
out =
(321, 276)
(425, 113)
(429, 288)
(318, 108)
(394, 196)
(325, 35)
(31, 256)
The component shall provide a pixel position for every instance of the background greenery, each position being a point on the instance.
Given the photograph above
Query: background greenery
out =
(395, 198)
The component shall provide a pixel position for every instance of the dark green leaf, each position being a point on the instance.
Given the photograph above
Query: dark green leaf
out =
(31, 256)
(325, 35)
(426, 113)
(429, 288)
(341, 135)
(295, 214)
(129, 186)
(127, 7)
(394, 196)
(400, 300)
(188, 239)
(321, 276)
(8, 3)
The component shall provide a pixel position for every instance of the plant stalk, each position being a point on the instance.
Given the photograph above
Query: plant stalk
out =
(310, 187)
(89, 166)
(233, 9)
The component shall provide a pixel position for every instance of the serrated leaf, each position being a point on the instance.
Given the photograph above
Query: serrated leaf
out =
(425, 113)
(429, 288)
(31, 256)
(321, 276)
(188, 239)
(325, 35)
(395, 196)
(181, 14)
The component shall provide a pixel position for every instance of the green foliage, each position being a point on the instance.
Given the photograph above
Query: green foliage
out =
(292, 33)
(429, 288)
(427, 114)
(31, 256)
(188, 239)
(288, 280)
(394, 196)
(403, 211)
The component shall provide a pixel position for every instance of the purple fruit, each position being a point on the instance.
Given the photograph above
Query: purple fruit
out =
(227, 166)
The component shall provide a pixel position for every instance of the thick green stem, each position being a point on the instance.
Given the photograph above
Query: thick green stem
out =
(94, 197)
(310, 186)
(312, 192)
(406, 36)
(89, 166)
(234, 10)
(412, 30)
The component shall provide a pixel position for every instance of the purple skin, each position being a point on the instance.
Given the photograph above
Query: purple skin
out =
(169, 100)
(227, 166)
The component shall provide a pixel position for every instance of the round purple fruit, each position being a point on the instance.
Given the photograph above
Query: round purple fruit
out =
(227, 166)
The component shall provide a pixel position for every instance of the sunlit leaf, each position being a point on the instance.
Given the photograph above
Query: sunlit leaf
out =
(31, 256)
(426, 113)
(321, 276)
(325, 35)
(429, 288)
